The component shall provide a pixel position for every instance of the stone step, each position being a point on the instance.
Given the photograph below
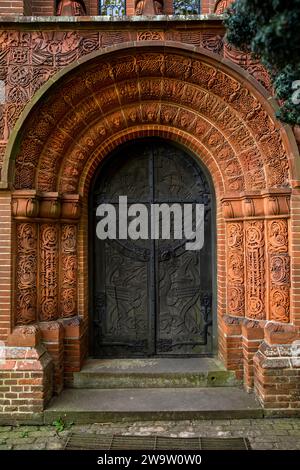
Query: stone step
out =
(155, 404)
(153, 373)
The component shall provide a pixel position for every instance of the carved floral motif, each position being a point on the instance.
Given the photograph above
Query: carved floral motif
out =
(26, 273)
(280, 303)
(279, 261)
(235, 269)
(48, 272)
(255, 269)
(68, 292)
(242, 125)
(150, 36)
(222, 5)
(278, 236)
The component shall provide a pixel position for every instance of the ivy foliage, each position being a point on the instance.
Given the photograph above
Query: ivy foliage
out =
(270, 30)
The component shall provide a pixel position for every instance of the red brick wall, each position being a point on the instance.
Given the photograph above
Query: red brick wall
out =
(92, 7)
(207, 6)
(277, 379)
(26, 381)
(11, 7)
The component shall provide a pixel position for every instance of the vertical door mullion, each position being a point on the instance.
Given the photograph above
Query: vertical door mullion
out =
(152, 290)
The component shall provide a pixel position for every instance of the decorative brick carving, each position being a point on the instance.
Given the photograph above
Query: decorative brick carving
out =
(255, 269)
(150, 36)
(50, 206)
(279, 269)
(280, 303)
(70, 8)
(68, 291)
(25, 204)
(26, 302)
(235, 269)
(71, 206)
(278, 236)
(250, 147)
(252, 65)
(48, 272)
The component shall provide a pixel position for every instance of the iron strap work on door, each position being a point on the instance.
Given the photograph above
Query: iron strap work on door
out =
(152, 297)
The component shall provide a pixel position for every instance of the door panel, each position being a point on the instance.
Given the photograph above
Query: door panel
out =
(152, 297)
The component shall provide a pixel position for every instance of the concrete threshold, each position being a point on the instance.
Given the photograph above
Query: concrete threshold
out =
(153, 373)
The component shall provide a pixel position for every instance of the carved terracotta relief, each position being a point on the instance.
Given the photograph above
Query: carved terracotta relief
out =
(48, 272)
(255, 269)
(279, 262)
(26, 302)
(68, 258)
(235, 269)
(244, 124)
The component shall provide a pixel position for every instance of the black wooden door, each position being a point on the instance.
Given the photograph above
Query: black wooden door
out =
(151, 297)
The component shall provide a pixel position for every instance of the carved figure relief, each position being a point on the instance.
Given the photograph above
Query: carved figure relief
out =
(71, 8)
(149, 7)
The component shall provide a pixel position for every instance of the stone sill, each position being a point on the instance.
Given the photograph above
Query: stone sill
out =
(110, 19)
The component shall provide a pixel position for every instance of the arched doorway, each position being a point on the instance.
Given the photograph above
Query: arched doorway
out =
(213, 109)
(151, 296)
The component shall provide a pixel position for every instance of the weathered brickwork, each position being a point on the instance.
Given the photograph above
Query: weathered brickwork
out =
(95, 87)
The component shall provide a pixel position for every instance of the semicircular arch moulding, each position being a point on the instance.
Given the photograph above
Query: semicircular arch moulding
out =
(176, 88)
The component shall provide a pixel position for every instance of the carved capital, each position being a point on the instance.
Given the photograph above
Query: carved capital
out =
(228, 211)
(71, 206)
(50, 206)
(25, 204)
(248, 207)
(277, 204)
(262, 205)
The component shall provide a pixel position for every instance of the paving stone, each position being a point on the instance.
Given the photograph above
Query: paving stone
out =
(27, 428)
(38, 446)
(5, 429)
(42, 432)
(22, 447)
(293, 432)
(22, 441)
(263, 434)
(5, 446)
(55, 445)
(262, 447)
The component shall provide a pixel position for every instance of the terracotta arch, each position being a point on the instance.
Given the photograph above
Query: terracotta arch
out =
(250, 103)
(184, 94)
